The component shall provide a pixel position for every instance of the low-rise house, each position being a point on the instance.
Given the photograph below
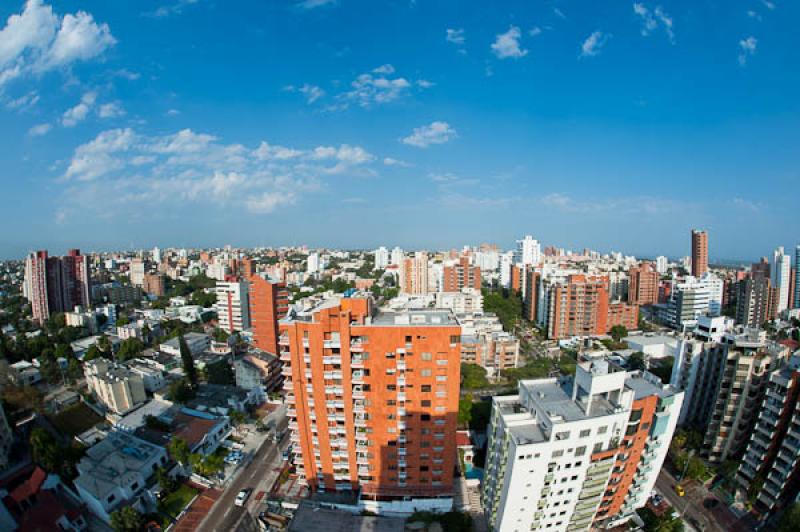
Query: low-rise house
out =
(152, 377)
(23, 373)
(114, 472)
(221, 400)
(115, 386)
(202, 432)
(33, 500)
(197, 343)
(81, 318)
(260, 371)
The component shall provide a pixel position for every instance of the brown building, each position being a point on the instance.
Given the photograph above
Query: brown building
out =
(623, 314)
(531, 299)
(56, 284)
(461, 275)
(516, 278)
(269, 302)
(373, 401)
(643, 285)
(578, 307)
(756, 302)
(699, 253)
(155, 284)
(760, 269)
(247, 268)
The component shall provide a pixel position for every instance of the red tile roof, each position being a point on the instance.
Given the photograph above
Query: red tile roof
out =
(192, 429)
(462, 439)
(30, 487)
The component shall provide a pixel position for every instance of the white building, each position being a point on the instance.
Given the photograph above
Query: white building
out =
(136, 273)
(661, 264)
(506, 263)
(559, 452)
(468, 300)
(82, 319)
(692, 298)
(381, 258)
(113, 473)
(116, 387)
(156, 255)
(152, 377)
(529, 251)
(312, 265)
(780, 276)
(653, 346)
(397, 256)
(233, 306)
(196, 342)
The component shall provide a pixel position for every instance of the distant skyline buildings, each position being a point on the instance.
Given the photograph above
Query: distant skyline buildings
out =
(699, 253)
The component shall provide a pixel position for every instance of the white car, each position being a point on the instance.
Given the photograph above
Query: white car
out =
(241, 498)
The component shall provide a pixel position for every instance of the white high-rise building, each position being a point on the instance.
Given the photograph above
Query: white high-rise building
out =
(136, 273)
(397, 256)
(156, 255)
(528, 251)
(797, 277)
(381, 258)
(506, 263)
(233, 306)
(780, 276)
(574, 453)
(312, 265)
(661, 264)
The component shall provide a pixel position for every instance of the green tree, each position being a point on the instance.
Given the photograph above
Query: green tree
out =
(636, 361)
(127, 519)
(180, 391)
(130, 348)
(465, 410)
(166, 482)
(659, 523)
(221, 335)
(237, 418)
(473, 377)
(790, 521)
(46, 451)
(179, 450)
(618, 332)
(122, 320)
(188, 362)
(220, 372)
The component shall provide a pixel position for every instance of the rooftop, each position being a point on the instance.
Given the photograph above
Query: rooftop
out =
(432, 318)
(645, 384)
(309, 518)
(555, 399)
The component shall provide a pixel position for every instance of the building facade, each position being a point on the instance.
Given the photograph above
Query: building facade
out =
(269, 302)
(643, 285)
(56, 284)
(233, 306)
(699, 253)
(577, 453)
(461, 275)
(373, 400)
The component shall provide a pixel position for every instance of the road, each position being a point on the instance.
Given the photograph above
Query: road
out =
(691, 506)
(257, 474)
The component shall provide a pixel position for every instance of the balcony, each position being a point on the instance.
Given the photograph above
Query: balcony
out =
(286, 356)
(333, 343)
(283, 339)
(356, 362)
(357, 377)
(358, 392)
(332, 360)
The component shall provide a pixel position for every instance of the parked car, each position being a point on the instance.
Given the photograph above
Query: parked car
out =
(241, 498)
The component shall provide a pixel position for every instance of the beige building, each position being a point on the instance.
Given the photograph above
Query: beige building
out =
(118, 388)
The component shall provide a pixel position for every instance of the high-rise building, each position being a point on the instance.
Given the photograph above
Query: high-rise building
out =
(781, 278)
(373, 402)
(397, 256)
(756, 301)
(797, 277)
(579, 452)
(531, 299)
(136, 272)
(381, 258)
(760, 269)
(247, 268)
(692, 298)
(414, 274)
(156, 253)
(661, 264)
(269, 302)
(774, 446)
(233, 305)
(313, 263)
(699, 253)
(56, 284)
(529, 251)
(578, 307)
(155, 284)
(643, 285)
(461, 275)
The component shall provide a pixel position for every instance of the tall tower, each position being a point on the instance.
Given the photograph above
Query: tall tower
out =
(699, 252)
(797, 277)
(269, 302)
(781, 277)
(56, 284)
(373, 401)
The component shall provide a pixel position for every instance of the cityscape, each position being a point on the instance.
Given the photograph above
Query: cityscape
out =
(399, 265)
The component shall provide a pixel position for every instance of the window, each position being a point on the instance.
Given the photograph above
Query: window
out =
(425, 417)
(580, 451)
(558, 453)
(425, 373)
(427, 356)
(426, 402)
(426, 387)
(585, 433)
(603, 429)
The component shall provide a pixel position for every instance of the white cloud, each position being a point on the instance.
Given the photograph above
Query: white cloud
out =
(369, 89)
(456, 36)
(753, 14)
(312, 93)
(313, 4)
(110, 110)
(747, 49)
(434, 133)
(122, 170)
(507, 44)
(78, 113)
(594, 43)
(534, 31)
(37, 40)
(39, 130)
(171, 9)
(26, 101)
(652, 19)
(425, 84)
(173, 112)
(769, 5)
(389, 161)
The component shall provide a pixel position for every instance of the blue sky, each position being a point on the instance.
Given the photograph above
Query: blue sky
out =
(611, 125)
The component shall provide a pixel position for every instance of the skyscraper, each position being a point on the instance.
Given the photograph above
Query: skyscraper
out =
(373, 401)
(699, 253)
(56, 284)
(529, 252)
(233, 305)
(797, 277)
(661, 264)
(577, 453)
(269, 302)
(643, 285)
(781, 277)
(414, 274)
(461, 275)
(756, 301)
(381, 258)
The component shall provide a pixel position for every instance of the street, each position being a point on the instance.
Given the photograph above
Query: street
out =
(690, 507)
(259, 475)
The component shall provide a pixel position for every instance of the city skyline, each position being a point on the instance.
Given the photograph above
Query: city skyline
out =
(613, 129)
